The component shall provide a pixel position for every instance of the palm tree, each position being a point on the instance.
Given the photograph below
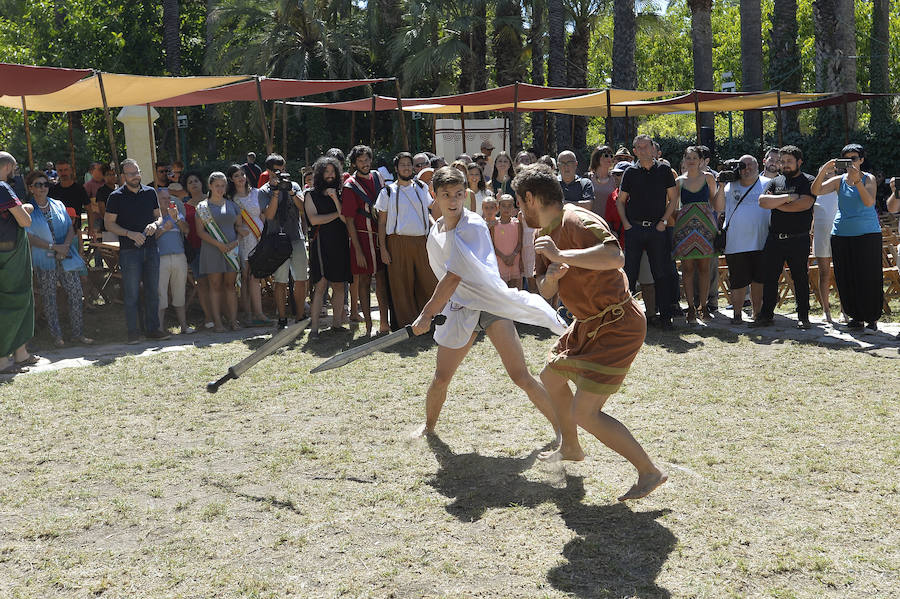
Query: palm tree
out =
(751, 60)
(585, 15)
(556, 66)
(507, 43)
(784, 58)
(835, 56)
(172, 36)
(536, 42)
(624, 73)
(880, 55)
(701, 38)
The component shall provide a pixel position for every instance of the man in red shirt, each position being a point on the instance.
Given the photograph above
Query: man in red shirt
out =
(358, 206)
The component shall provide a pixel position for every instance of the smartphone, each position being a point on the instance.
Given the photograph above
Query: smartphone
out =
(171, 203)
(841, 165)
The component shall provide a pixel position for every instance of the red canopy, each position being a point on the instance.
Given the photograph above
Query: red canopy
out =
(27, 80)
(272, 89)
(834, 100)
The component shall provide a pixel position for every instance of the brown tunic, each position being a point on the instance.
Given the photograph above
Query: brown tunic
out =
(600, 345)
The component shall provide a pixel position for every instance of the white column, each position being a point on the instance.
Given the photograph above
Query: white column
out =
(138, 139)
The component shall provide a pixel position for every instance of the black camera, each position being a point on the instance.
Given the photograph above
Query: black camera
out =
(841, 165)
(284, 184)
(731, 171)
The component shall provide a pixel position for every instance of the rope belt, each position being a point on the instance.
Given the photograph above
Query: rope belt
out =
(617, 310)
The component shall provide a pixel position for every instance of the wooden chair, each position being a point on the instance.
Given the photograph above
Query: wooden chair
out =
(110, 256)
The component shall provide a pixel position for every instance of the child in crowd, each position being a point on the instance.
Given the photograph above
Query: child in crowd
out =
(507, 237)
(490, 208)
(528, 253)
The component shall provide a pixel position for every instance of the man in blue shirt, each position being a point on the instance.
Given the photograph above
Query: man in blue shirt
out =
(576, 190)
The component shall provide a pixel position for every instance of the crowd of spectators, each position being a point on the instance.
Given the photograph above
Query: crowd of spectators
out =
(349, 224)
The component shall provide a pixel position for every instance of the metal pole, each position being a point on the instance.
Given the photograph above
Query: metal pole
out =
(71, 139)
(697, 120)
(780, 130)
(462, 121)
(27, 135)
(608, 122)
(175, 132)
(846, 122)
(572, 120)
(434, 133)
(505, 129)
(284, 115)
(272, 123)
(109, 125)
(352, 129)
(546, 129)
(401, 117)
(372, 124)
(152, 138)
(262, 115)
(514, 126)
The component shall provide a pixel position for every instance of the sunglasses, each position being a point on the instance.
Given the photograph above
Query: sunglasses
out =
(606, 155)
(421, 165)
(40, 184)
(854, 158)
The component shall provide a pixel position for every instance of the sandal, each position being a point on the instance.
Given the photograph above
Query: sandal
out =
(236, 326)
(85, 340)
(58, 342)
(12, 368)
(29, 361)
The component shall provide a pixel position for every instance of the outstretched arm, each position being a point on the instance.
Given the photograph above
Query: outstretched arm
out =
(442, 294)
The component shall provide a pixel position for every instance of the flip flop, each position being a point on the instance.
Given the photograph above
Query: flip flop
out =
(12, 368)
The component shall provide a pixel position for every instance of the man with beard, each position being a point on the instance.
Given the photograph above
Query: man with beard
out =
(580, 258)
(358, 207)
(789, 196)
(69, 191)
(132, 213)
(473, 298)
(403, 224)
(771, 163)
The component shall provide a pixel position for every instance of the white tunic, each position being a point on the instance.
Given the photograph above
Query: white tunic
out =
(467, 252)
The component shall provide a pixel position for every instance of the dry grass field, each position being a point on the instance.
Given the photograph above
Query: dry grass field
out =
(127, 479)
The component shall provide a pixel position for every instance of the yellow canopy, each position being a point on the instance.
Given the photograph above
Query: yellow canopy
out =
(594, 101)
(121, 90)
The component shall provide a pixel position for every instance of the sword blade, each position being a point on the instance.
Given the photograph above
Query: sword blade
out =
(280, 339)
(353, 354)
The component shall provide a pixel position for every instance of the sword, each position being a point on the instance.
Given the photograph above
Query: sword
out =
(353, 354)
(280, 339)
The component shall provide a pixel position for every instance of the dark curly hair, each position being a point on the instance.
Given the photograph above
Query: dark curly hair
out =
(319, 183)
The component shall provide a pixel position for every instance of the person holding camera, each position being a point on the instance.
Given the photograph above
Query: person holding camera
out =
(791, 200)
(281, 200)
(855, 237)
(747, 225)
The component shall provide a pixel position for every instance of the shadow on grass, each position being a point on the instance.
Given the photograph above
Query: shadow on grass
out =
(617, 553)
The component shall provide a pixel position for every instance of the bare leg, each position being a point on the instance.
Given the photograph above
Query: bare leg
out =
(280, 299)
(255, 290)
(231, 300)
(215, 298)
(687, 275)
(316, 308)
(363, 288)
(824, 286)
(505, 338)
(300, 298)
(203, 297)
(181, 312)
(381, 295)
(245, 289)
(532, 284)
(756, 298)
(702, 270)
(737, 302)
(448, 360)
(354, 299)
(589, 415)
(337, 305)
(563, 402)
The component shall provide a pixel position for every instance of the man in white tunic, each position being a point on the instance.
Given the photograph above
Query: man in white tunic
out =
(473, 297)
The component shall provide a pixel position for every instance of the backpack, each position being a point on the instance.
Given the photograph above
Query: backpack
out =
(271, 252)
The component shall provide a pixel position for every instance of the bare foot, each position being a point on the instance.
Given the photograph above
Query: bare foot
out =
(571, 454)
(422, 431)
(645, 485)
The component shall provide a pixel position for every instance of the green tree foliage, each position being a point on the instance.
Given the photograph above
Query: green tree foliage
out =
(432, 46)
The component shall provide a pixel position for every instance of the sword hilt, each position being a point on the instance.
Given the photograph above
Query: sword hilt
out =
(214, 386)
(439, 319)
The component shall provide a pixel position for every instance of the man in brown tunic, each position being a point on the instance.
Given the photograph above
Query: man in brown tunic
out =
(579, 258)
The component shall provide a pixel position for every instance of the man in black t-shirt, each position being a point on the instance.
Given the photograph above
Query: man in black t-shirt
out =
(69, 191)
(646, 200)
(790, 199)
(252, 170)
(132, 213)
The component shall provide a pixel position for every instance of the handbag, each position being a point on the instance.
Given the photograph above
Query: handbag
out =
(721, 237)
(271, 252)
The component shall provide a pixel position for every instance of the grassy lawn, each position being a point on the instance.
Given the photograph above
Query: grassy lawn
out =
(129, 480)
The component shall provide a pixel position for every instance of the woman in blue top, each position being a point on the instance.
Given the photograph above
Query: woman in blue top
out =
(855, 239)
(55, 258)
